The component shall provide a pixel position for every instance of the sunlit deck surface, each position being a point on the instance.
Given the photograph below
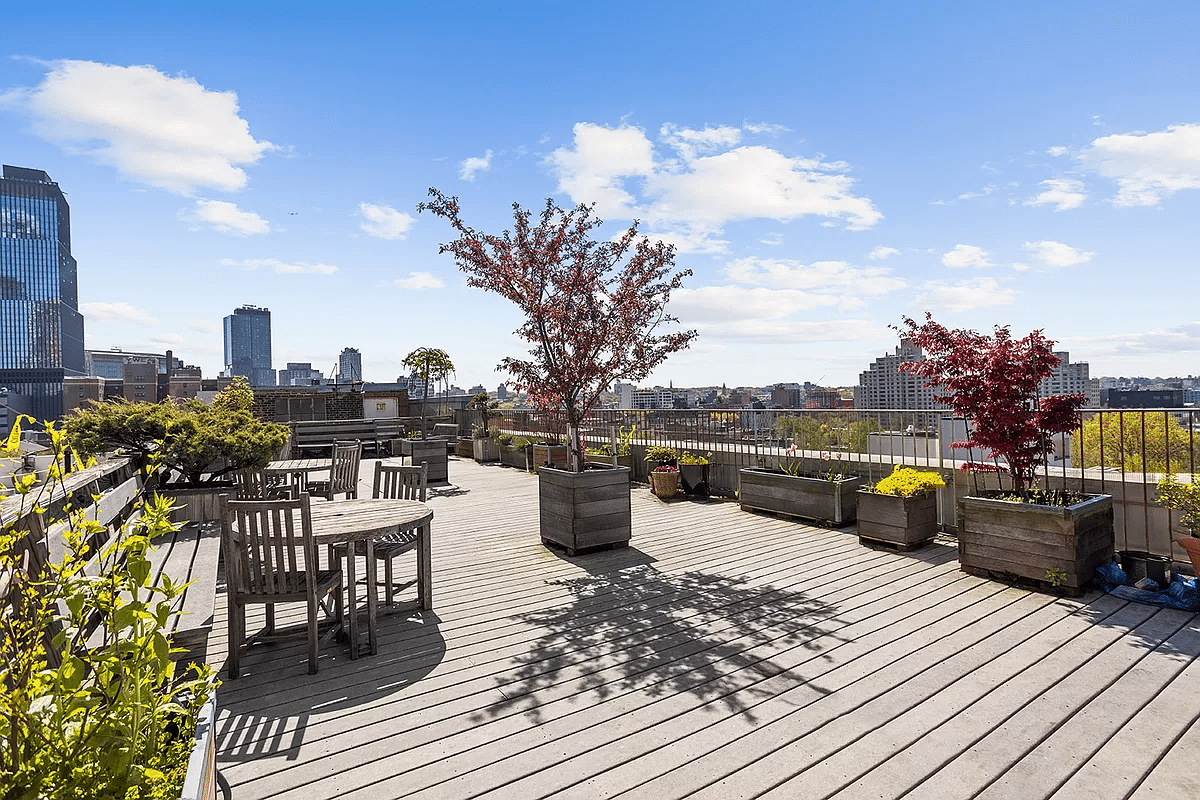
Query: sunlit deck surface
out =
(724, 654)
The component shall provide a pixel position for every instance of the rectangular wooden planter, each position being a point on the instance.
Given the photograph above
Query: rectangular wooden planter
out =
(198, 505)
(201, 780)
(516, 457)
(485, 450)
(903, 521)
(1032, 541)
(432, 452)
(581, 510)
(464, 448)
(813, 498)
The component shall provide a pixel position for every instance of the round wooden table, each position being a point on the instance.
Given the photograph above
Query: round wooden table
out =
(349, 521)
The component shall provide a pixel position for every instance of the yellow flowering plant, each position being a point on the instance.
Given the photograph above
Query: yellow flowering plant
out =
(908, 482)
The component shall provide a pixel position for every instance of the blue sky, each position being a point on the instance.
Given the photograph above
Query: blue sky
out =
(823, 171)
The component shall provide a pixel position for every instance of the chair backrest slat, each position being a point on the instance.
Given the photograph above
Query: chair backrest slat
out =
(269, 545)
(343, 475)
(394, 482)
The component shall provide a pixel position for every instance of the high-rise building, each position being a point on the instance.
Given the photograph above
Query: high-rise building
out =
(300, 374)
(248, 345)
(1067, 378)
(883, 385)
(41, 329)
(349, 365)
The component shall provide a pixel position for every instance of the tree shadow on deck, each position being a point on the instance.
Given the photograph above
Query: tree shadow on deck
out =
(267, 711)
(635, 629)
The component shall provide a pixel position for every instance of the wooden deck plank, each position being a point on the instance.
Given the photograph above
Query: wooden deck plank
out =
(723, 654)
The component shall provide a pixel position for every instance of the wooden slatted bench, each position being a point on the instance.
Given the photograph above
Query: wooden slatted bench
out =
(318, 436)
(110, 494)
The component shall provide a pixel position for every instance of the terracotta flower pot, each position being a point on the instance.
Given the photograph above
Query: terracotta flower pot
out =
(1192, 545)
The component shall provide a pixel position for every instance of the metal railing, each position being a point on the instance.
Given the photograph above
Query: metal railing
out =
(1119, 452)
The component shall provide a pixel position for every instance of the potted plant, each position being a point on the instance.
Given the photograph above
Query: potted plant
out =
(901, 509)
(664, 478)
(1184, 497)
(190, 447)
(593, 311)
(483, 446)
(1056, 538)
(693, 473)
(826, 493)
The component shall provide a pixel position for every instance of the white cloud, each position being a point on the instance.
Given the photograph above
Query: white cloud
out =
(1062, 193)
(384, 222)
(765, 127)
(1147, 167)
(280, 267)
(690, 200)
(168, 338)
(965, 295)
(115, 312)
(881, 252)
(420, 280)
(1056, 151)
(966, 255)
(162, 131)
(1057, 254)
(772, 239)
(227, 218)
(791, 332)
(984, 192)
(824, 277)
(205, 326)
(730, 304)
(470, 166)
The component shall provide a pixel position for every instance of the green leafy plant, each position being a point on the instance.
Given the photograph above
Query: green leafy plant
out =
(835, 473)
(92, 714)
(1056, 578)
(1183, 497)
(522, 442)
(908, 482)
(199, 443)
(662, 454)
(692, 458)
(625, 440)
(485, 407)
(429, 364)
(11, 448)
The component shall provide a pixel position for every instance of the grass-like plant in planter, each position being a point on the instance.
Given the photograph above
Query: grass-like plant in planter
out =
(1053, 538)
(484, 448)
(828, 494)
(901, 509)
(593, 310)
(193, 447)
(92, 713)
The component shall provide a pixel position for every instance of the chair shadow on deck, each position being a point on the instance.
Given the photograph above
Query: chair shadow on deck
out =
(631, 628)
(268, 710)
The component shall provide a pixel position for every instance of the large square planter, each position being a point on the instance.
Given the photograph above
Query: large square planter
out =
(582, 510)
(518, 457)
(906, 522)
(202, 504)
(1053, 545)
(464, 448)
(432, 452)
(485, 450)
(814, 498)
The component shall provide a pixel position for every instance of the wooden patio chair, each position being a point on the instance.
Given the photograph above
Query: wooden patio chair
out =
(343, 475)
(256, 484)
(393, 482)
(270, 558)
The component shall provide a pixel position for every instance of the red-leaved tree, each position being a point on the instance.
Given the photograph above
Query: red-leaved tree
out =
(593, 309)
(993, 382)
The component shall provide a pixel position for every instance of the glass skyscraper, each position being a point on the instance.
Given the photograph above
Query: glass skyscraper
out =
(350, 366)
(41, 329)
(248, 345)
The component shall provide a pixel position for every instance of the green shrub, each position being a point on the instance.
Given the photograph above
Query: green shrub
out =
(661, 454)
(110, 720)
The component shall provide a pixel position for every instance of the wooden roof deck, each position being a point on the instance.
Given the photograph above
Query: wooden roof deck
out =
(724, 654)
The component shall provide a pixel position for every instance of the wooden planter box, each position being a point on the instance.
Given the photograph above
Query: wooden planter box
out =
(582, 510)
(813, 498)
(432, 452)
(201, 780)
(1024, 539)
(907, 522)
(485, 450)
(553, 454)
(202, 504)
(516, 457)
(465, 448)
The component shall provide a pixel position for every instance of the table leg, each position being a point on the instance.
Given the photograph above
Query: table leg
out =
(352, 600)
(425, 566)
(372, 598)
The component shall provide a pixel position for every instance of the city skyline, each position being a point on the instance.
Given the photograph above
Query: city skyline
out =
(823, 173)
